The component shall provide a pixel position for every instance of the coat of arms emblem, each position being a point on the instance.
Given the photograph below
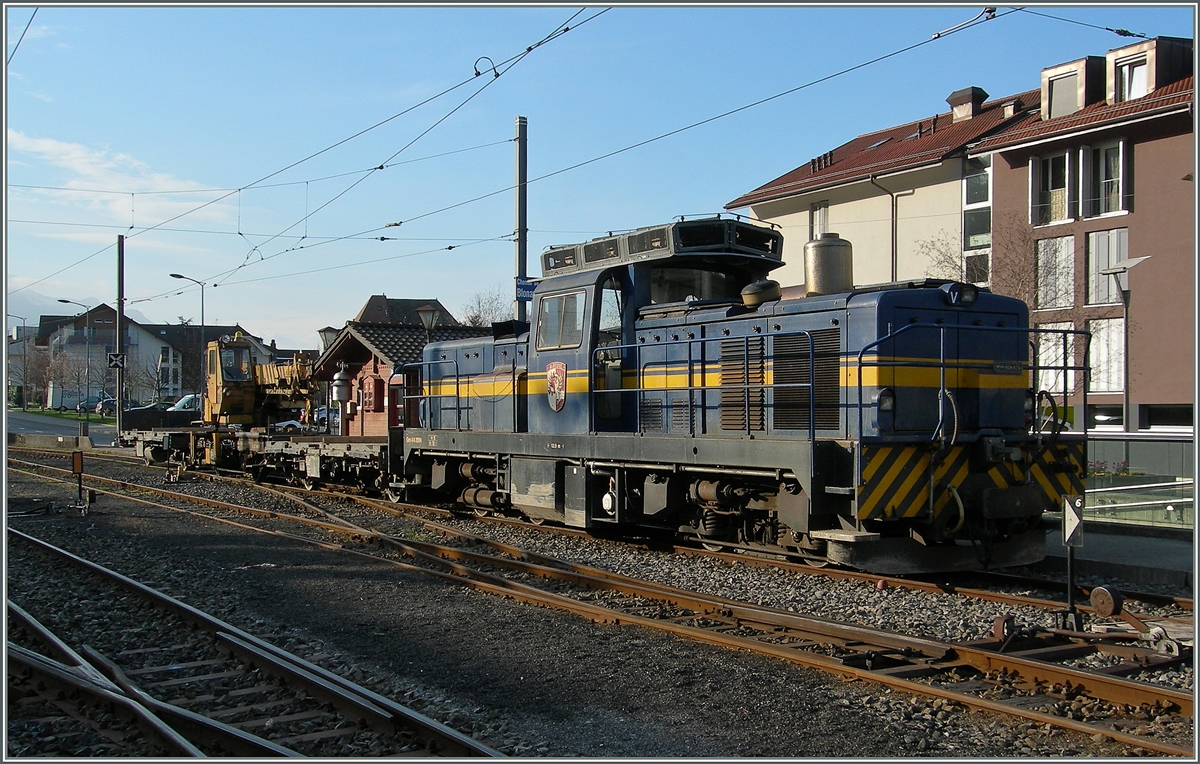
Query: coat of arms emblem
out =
(556, 384)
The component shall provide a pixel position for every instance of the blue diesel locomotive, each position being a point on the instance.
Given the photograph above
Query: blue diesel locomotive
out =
(664, 384)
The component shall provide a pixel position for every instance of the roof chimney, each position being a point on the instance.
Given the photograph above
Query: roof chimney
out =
(965, 103)
(1012, 107)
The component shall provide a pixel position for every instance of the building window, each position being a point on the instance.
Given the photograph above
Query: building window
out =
(1105, 249)
(977, 203)
(1166, 417)
(977, 267)
(1056, 273)
(1132, 80)
(1056, 350)
(1050, 205)
(818, 220)
(1107, 354)
(1064, 95)
(1103, 167)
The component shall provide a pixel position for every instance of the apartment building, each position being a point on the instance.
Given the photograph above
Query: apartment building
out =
(1099, 184)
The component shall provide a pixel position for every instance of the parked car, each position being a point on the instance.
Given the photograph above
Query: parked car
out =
(87, 404)
(290, 425)
(156, 406)
(187, 403)
(108, 406)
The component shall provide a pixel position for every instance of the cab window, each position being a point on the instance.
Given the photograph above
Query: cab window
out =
(235, 364)
(560, 321)
(680, 284)
(611, 309)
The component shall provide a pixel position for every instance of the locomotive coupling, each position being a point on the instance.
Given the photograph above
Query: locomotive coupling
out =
(995, 450)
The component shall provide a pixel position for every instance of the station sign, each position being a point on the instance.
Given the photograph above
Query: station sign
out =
(525, 287)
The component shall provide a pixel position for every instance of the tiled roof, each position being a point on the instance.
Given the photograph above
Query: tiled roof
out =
(380, 309)
(1032, 127)
(924, 142)
(395, 345)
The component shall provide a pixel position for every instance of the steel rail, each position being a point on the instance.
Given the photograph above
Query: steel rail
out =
(50, 678)
(726, 634)
(368, 704)
(874, 579)
(767, 559)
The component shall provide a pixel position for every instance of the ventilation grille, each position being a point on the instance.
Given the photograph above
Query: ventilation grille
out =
(791, 367)
(742, 376)
(650, 416)
(680, 419)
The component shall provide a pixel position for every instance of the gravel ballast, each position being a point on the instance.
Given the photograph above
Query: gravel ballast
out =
(526, 681)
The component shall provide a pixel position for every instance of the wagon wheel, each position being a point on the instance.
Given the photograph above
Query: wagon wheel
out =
(536, 520)
(309, 484)
(481, 512)
(394, 495)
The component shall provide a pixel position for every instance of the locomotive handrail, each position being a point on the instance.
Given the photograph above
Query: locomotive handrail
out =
(942, 364)
(427, 384)
(690, 388)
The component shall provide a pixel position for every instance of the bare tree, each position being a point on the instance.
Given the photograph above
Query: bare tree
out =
(143, 380)
(486, 306)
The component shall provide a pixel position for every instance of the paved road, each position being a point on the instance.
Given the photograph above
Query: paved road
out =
(29, 423)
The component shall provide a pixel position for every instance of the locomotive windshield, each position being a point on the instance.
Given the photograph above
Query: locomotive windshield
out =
(235, 364)
(679, 284)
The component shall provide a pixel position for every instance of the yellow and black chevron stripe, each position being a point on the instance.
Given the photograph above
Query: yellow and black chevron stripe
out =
(895, 480)
(1059, 468)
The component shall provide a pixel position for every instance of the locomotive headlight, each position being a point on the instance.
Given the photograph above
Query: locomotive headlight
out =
(960, 294)
(885, 399)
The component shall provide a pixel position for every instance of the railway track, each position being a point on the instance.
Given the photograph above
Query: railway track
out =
(998, 586)
(1014, 673)
(199, 686)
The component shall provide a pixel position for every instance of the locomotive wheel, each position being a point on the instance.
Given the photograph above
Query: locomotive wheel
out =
(481, 512)
(394, 495)
(815, 562)
(537, 520)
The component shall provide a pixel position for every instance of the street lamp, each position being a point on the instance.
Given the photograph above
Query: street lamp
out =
(24, 367)
(1120, 273)
(88, 313)
(429, 316)
(203, 348)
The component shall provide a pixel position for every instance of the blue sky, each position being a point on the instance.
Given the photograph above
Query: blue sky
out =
(123, 104)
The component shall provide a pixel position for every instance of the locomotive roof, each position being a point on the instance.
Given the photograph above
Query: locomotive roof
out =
(705, 236)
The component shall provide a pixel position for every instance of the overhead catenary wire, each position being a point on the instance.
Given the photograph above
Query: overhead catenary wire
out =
(970, 24)
(1119, 32)
(22, 37)
(558, 32)
(731, 112)
(497, 72)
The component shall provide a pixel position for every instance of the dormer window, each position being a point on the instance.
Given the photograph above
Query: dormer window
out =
(1131, 78)
(1064, 95)
(1067, 88)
